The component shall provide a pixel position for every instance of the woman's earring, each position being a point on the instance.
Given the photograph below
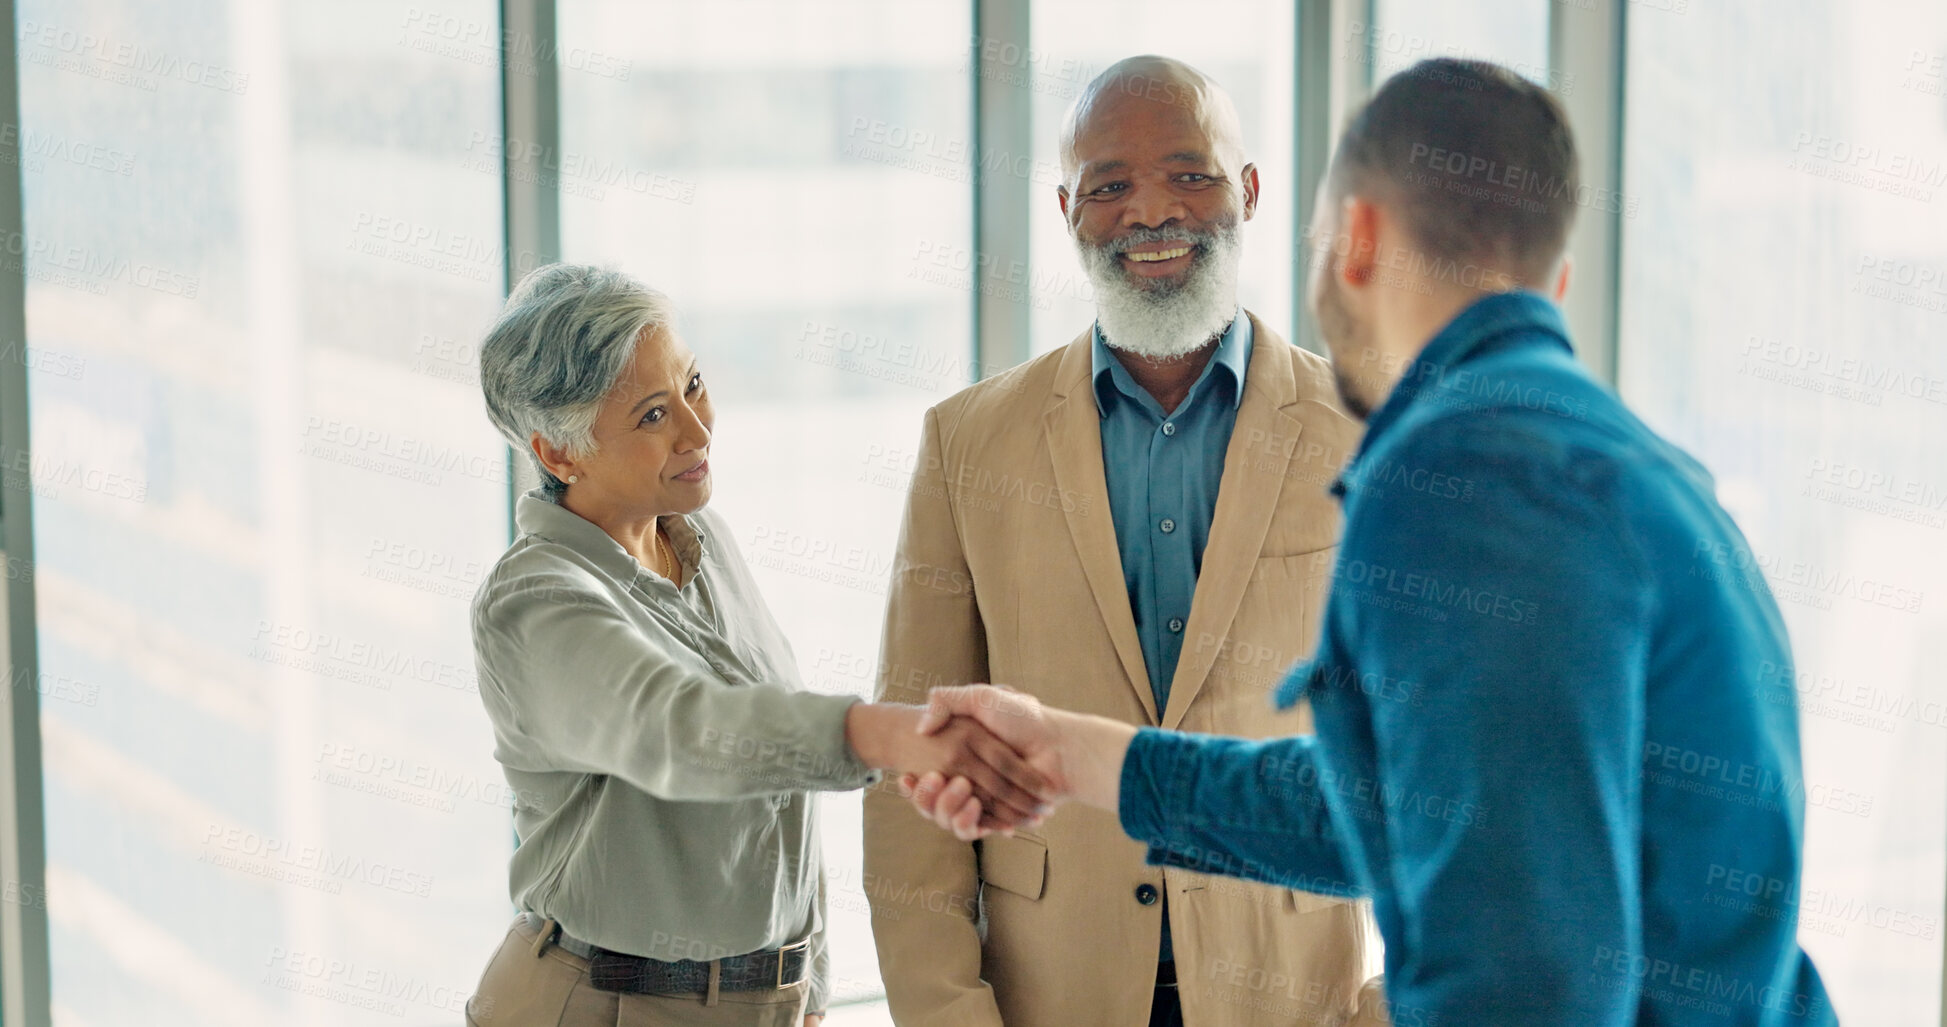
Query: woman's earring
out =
(572, 478)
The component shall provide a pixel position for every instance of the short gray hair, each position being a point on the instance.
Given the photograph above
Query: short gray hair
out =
(560, 344)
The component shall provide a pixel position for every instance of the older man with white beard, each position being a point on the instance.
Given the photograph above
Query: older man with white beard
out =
(1060, 523)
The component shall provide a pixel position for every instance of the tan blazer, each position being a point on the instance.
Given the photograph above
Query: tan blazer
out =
(1008, 571)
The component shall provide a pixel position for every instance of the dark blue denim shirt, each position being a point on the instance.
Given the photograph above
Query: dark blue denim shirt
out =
(1556, 738)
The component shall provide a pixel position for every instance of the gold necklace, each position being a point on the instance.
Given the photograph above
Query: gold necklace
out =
(667, 553)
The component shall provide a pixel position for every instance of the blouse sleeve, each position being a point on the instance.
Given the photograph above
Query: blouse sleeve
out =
(573, 685)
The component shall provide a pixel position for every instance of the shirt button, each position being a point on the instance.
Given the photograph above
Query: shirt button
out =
(1176, 625)
(1167, 525)
(1169, 427)
(1146, 894)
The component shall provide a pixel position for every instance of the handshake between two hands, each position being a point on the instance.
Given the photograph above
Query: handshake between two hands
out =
(982, 759)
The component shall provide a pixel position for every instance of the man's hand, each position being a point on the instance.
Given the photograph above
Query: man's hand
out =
(1016, 718)
(1079, 756)
(895, 737)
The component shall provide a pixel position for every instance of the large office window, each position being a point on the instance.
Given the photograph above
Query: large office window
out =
(797, 177)
(264, 238)
(260, 245)
(1784, 302)
(1510, 32)
(1246, 45)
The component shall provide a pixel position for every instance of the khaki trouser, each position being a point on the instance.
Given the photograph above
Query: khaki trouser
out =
(521, 989)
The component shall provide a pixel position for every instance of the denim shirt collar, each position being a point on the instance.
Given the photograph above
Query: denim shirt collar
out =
(1463, 339)
(1232, 357)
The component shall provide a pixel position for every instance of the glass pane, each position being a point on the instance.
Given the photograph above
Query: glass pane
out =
(797, 178)
(264, 487)
(1075, 40)
(1784, 301)
(1510, 32)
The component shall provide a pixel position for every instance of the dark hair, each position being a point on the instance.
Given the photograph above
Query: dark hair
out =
(1478, 161)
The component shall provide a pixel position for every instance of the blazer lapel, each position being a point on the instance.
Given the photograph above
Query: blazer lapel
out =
(1074, 428)
(1255, 463)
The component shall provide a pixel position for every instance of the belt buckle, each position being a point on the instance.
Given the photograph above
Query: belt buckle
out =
(805, 944)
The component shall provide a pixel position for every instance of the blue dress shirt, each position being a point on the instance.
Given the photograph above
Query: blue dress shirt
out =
(1556, 740)
(1163, 474)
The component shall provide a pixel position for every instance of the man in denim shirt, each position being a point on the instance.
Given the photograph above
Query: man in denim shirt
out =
(1553, 744)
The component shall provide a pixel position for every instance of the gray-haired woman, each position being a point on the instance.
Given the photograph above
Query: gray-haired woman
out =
(646, 708)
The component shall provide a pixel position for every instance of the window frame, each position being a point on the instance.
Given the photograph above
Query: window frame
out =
(25, 977)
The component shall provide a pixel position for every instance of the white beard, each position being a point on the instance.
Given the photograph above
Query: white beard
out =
(1165, 320)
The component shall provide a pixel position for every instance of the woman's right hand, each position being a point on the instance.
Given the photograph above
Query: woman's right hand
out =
(887, 736)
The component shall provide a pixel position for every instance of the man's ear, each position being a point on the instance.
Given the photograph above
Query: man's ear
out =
(1360, 260)
(1561, 280)
(1061, 194)
(1249, 178)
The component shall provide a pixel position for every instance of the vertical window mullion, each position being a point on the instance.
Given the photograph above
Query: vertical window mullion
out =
(1585, 54)
(1003, 137)
(530, 113)
(24, 978)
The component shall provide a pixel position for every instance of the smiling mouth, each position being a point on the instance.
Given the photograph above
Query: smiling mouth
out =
(696, 473)
(1158, 255)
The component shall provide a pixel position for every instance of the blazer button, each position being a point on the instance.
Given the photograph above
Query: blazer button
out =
(1146, 894)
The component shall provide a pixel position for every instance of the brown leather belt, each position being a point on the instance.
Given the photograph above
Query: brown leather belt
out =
(608, 970)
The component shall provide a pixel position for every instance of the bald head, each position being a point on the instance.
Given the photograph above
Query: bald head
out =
(1154, 187)
(1129, 85)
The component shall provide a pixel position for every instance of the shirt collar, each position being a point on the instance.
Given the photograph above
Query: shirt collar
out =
(1465, 337)
(1233, 356)
(536, 514)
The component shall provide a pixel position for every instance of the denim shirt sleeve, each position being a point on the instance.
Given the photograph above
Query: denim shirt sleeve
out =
(1249, 809)
(1524, 615)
